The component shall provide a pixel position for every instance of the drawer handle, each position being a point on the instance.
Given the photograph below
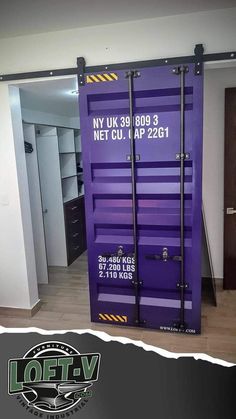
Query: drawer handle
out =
(74, 208)
(75, 235)
(74, 221)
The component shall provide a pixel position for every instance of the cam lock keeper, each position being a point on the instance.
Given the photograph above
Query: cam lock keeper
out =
(164, 256)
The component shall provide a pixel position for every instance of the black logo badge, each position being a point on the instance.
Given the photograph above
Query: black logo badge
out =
(53, 376)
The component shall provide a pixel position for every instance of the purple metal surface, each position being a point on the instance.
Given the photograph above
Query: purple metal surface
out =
(104, 110)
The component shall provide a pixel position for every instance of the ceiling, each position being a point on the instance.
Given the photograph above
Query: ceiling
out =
(25, 17)
(53, 96)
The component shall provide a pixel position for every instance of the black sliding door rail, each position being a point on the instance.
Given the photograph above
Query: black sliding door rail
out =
(198, 58)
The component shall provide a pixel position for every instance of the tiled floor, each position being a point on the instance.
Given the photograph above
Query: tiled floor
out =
(65, 306)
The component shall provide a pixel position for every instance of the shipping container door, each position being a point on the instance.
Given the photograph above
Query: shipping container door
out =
(115, 265)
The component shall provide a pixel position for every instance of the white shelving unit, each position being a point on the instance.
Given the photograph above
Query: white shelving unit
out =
(78, 150)
(77, 137)
(51, 191)
(68, 165)
(36, 205)
(58, 153)
(69, 189)
(66, 140)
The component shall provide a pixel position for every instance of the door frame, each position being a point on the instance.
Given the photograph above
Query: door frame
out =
(16, 84)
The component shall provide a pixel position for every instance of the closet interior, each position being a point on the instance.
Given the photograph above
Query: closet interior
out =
(50, 121)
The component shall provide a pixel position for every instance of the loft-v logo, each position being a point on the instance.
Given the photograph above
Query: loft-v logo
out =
(53, 377)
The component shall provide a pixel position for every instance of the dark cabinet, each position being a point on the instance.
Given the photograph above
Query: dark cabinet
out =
(75, 228)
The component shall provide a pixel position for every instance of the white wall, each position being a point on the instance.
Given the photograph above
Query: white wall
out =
(147, 39)
(17, 271)
(213, 163)
(140, 40)
(33, 116)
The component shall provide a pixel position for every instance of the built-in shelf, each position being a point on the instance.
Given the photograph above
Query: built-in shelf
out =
(66, 140)
(77, 138)
(69, 188)
(59, 154)
(67, 177)
(68, 165)
(45, 131)
(68, 198)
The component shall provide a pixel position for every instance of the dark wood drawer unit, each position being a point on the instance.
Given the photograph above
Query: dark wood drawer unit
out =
(75, 228)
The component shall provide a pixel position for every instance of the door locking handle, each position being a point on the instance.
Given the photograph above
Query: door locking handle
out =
(164, 256)
(230, 211)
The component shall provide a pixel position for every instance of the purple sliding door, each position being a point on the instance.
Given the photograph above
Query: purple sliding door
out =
(139, 273)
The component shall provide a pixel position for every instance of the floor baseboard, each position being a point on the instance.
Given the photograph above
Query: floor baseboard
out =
(21, 312)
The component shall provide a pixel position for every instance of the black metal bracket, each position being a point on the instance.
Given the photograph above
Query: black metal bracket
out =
(180, 69)
(132, 73)
(180, 326)
(81, 71)
(137, 283)
(182, 286)
(137, 157)
(198, 52)
(164, 257)
(140, 322)
(182, 156)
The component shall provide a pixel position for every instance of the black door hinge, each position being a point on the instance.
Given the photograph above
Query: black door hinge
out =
(81, 70)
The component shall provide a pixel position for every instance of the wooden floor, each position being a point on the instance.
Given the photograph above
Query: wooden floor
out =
(65, 306)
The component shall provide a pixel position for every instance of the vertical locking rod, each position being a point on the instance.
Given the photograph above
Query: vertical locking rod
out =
(182, 154)
(130, 76)
(181, 71)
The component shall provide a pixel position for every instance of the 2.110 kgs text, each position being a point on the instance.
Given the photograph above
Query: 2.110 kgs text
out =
(116, 267)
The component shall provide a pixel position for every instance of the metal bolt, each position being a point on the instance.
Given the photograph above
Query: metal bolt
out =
(232, 55)
(106, 68)
(51, 73)
(1, 78)
(198, 72)
(198, 63)
(166, 61)
(81, 75)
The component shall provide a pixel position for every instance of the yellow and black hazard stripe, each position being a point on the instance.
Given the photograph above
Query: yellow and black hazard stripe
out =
(113, 318)
(97, 78)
